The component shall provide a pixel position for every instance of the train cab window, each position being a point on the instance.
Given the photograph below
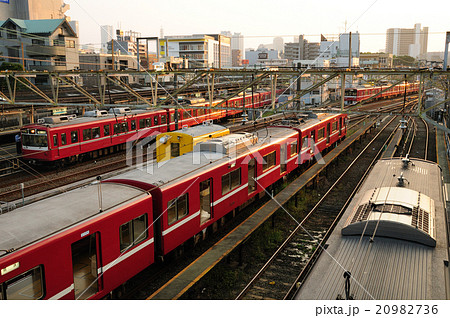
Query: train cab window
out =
(55, 140)
(177, 208)
(96, 132)
(133, 232)
(148, 122)
(29, 285)
(133, 124)
(231, 181)
(74, 136)
(269, 160)
(321, 133)
(163, 119)
(155, 120)
(63, 139)
(87, 134)
(116, 129)
(141, 123)
(294, 148)
(106, 130)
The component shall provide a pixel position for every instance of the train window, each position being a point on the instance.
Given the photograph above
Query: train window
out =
(175, 149)
(320, 133)
(124, 127)
(63, 139)
(334, 126)
(231, 181)
(163, 119)
(269, 160)
(96, 132)
(29, 285)
(148, 122)
(304, 142)
(155, 120)
(55, 140)
(106, 130)
(172, 117)
(87, 134)
(141, 123)
(293, 148)
(177, 208)
(133, 124)
(133, 232)
(74, 136)
(186, 115)
(116, 129)
(200, 112)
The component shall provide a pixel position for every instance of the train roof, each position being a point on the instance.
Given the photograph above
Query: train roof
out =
(190, 164)
(199, 130)
(89, 119)
(401, 261)
(38, 220)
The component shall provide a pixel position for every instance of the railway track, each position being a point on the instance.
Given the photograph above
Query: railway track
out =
(277, 276)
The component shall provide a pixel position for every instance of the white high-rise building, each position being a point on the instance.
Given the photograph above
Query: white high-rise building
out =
(107, 33)
(412, 42)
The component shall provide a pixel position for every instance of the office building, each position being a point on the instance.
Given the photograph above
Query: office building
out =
(412, 42)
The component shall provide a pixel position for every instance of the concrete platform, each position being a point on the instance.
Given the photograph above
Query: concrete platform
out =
(178, 285)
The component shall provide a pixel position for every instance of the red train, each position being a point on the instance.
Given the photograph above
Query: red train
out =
(85, 243)
(66, 138)
(353, 95)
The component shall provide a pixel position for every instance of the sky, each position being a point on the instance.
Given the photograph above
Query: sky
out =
(262, 20)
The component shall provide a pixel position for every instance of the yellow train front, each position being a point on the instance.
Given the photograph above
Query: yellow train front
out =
(176, 143)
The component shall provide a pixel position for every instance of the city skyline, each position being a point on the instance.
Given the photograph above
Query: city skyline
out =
(329, 19)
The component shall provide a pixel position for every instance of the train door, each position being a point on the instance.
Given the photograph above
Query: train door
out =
(340, 125)
(328, 133)
(205, 201)
(252, 175)
(283, 158)
(55, 144)
(85, 268)
(313, 141)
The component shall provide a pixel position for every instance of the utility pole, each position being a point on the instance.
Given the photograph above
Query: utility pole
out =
(112, 51)
(23, 58)
(447, 40)
(350, 50)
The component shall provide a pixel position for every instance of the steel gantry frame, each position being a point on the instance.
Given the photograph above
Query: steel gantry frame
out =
(247, 78)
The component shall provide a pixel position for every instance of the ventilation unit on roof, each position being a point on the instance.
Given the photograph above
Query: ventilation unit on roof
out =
(228, 144)
(96, 113)
(120, 110)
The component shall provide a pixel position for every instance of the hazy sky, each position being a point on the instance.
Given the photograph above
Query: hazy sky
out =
(261, 20)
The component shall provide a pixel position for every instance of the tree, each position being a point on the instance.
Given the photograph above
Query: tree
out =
(7, 66)
(404, 60)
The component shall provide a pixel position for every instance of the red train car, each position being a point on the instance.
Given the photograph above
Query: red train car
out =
(66, 138)
(195, 190)
(88, 241)
(79, 247)
(353, 95)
